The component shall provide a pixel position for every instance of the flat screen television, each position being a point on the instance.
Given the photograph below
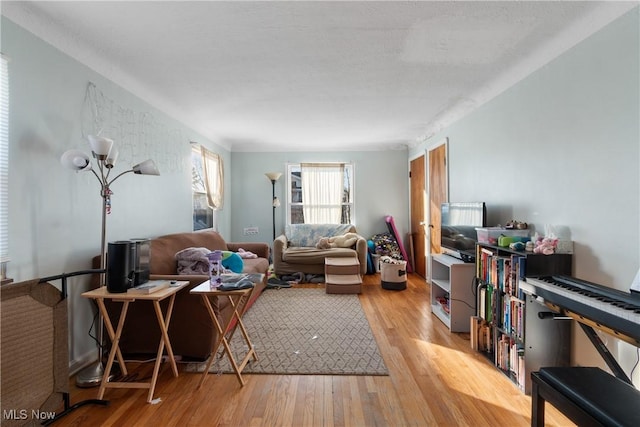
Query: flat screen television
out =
(458, 235)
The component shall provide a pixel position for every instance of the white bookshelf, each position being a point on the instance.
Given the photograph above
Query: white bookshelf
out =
(453, 279)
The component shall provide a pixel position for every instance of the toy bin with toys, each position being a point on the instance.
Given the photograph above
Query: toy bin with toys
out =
(393, 273)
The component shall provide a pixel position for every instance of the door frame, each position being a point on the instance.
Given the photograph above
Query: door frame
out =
(411, 231)
(444, 141)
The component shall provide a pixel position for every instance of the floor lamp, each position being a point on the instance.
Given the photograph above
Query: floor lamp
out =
(275, 202)
(105, 156)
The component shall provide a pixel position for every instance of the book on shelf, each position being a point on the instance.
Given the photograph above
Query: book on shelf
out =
(484, 337)
(485, 341)
(487, 303)
(475, 327)
(149, 287)
(491, 304)
(482, 312)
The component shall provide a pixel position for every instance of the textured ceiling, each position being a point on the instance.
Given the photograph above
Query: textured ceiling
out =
(285, 76)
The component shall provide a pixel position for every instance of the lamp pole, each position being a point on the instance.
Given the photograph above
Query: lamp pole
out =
(91, 376)
(273, 219)
(273, 177)
(105, 155)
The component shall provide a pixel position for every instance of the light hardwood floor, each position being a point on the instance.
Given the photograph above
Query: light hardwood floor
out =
(434, 380)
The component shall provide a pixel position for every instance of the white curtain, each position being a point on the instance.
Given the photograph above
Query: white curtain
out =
(213, 178)
(322, 188)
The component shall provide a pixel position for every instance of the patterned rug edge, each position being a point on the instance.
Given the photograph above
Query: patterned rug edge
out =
(369, 352)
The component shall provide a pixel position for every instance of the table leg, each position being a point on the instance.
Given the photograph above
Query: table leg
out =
(115, 342)
(251, 352)
(214, 350)
(244, 332)
(223, 331)
(109, 327)
(164, 328)
(164, 341)
(232, 360)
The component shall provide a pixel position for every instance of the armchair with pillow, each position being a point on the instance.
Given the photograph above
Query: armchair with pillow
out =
(303, 247)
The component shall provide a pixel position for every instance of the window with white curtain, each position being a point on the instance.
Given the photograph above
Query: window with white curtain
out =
(207, 186)
(4, 166)
(320, 193)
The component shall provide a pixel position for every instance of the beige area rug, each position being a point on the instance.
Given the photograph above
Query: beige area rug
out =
(305, 331)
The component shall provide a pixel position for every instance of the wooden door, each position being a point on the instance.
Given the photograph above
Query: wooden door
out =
(417, 183)
(438, 188)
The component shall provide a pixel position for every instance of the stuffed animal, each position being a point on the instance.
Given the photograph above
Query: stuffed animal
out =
(345, 241)
(516, 225)
(323, 243)
(271, 272)
(246, 254)
(545, 246)
(232, 261)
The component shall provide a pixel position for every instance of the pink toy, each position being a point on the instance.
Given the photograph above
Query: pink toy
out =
(391, 225)
(545, 245)
(246, 254)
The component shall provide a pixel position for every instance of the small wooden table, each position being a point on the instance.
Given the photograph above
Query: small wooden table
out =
(235, 299)
(100, 294)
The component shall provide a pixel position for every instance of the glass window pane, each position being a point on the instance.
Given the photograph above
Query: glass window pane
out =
(197, 172)
(295, 205)
(297, 215)
(203, 214)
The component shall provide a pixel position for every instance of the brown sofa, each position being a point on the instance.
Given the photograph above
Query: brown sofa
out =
(191, 331)
(295, 250)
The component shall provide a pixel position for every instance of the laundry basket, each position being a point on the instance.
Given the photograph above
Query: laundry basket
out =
(393, 274)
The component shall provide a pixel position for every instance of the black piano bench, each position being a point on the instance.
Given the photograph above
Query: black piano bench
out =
(587, 396)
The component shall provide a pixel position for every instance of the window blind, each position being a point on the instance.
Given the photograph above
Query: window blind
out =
(4, 160)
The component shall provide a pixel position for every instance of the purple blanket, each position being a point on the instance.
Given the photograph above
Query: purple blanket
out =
(193, 261)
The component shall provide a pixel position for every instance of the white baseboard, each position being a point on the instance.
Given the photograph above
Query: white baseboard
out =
(79, 363)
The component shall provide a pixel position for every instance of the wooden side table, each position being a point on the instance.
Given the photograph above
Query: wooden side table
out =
(100, 294)
(236, 298)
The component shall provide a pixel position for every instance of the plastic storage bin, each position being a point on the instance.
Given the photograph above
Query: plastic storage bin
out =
(489, 235)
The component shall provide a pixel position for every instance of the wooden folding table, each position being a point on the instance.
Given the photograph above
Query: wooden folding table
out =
(236, 299)
(100, 294)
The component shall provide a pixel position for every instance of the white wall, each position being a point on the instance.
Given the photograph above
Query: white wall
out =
(562, 148)
(381, 189)
(55, 213)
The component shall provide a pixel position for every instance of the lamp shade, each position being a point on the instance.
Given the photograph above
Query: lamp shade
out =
(76, 160)
(100, 146)
(148, 167)
(273, 176)
(111, 158)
